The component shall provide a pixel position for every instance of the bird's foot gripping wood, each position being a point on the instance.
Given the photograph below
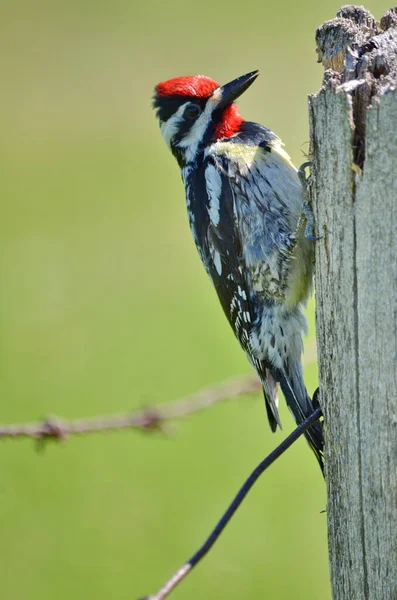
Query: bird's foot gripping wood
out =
(307, 213)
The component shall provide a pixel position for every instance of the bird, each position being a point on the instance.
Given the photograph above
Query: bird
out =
(247, 215)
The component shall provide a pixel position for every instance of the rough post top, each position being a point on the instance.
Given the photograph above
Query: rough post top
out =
(389, 19)
(360, 56)
(353, 32)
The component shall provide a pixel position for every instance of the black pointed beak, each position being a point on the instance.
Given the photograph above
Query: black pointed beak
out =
(231, 91)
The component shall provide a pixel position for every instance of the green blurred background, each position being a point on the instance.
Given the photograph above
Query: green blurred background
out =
(105, 307)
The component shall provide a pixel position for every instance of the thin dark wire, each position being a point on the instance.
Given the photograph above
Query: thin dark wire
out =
(256, 473)
(241, 494)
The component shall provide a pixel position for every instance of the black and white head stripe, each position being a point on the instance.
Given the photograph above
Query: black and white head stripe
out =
(187, 123)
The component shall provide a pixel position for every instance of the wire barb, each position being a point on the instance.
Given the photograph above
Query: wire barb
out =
(146, 420)
(183, 571)
(150, 419)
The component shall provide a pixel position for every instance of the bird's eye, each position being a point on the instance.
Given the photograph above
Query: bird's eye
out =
(192, 111)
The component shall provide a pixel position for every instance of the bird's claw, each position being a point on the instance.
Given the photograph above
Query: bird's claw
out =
(312, 238)
(302, 173)
(306, 208)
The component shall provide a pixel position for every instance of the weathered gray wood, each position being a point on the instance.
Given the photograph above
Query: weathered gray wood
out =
(376, 261)
(353, 122)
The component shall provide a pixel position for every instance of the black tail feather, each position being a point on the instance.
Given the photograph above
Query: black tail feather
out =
(271, 418)
(301, 406)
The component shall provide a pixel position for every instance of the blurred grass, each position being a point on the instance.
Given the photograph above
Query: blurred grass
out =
(104, 307)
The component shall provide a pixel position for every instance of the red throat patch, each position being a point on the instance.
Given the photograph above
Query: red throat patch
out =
(198, 86)
(231, 121)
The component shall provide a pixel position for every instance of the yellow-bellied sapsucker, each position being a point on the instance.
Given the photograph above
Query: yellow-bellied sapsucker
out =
(245, 202)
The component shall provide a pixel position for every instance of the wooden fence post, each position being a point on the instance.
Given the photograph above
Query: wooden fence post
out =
(353, 121)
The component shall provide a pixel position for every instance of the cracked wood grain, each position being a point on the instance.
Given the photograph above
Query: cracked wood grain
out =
(353, 121)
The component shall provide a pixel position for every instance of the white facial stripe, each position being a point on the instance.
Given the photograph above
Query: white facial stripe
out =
(216, 96)
(171, 127)
(192, 140)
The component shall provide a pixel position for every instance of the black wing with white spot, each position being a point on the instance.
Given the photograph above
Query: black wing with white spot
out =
(226, 266)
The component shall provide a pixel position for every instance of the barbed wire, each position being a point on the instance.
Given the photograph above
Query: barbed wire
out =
(149, 419)
(152, 418)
